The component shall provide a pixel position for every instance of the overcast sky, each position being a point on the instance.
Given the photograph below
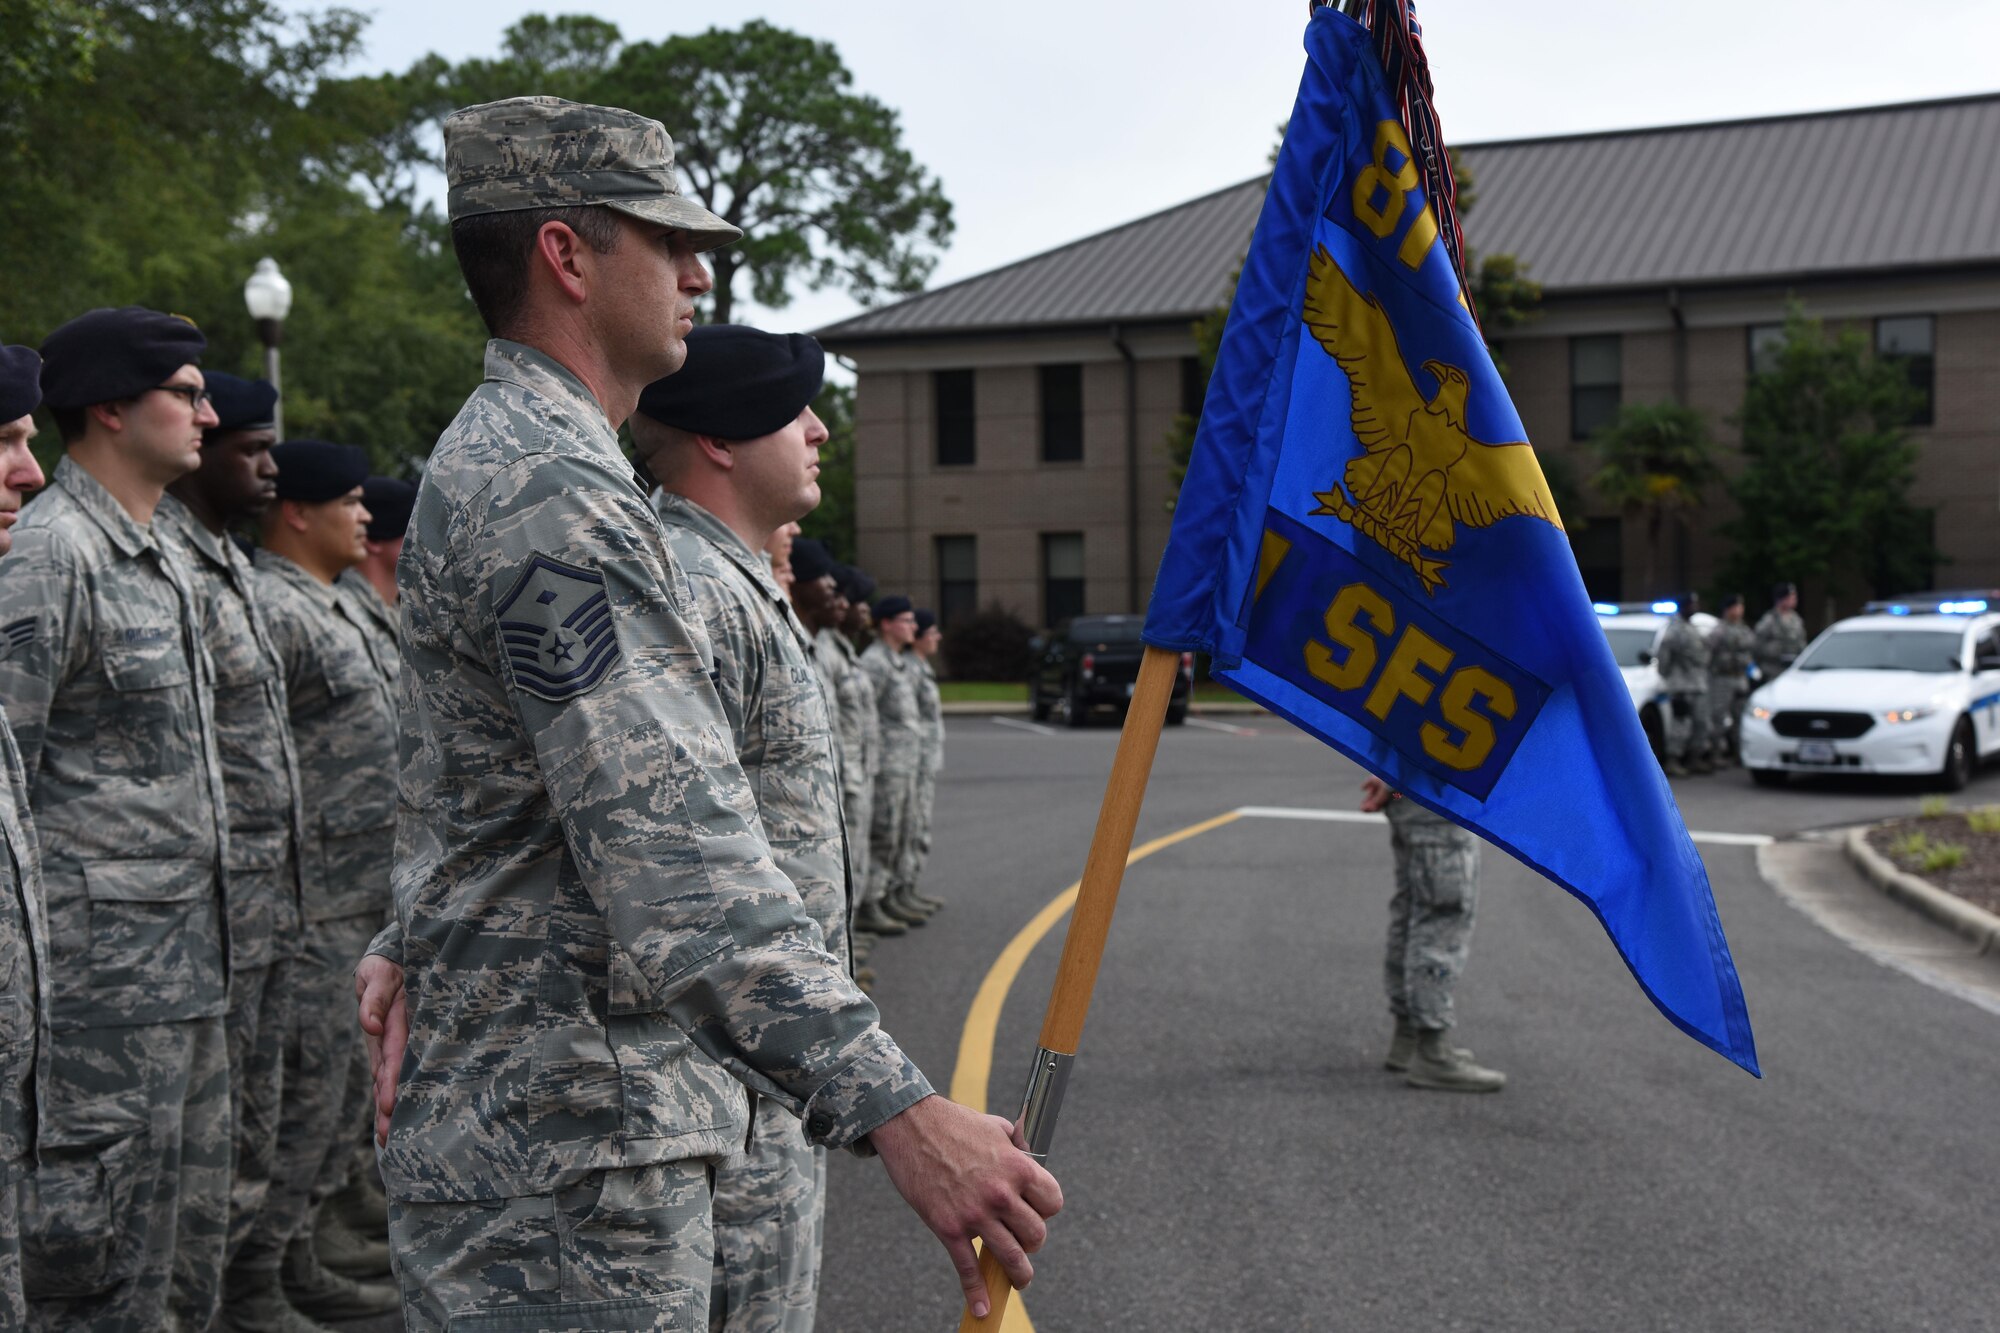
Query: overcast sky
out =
(1051, 119)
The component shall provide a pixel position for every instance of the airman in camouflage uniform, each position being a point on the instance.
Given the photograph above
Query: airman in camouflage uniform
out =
(892, 669)
(1430, 937)
(343, 721)
(1684, 675)
(124, 1217)
(24, 927)
(584, 891)
(930, 716)
(260, 785)
(1731, 649)
(769, 1198)
(1781, 634)
(858, 730)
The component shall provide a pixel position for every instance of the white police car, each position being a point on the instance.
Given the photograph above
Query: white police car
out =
(1910, 686)
(1633, 630)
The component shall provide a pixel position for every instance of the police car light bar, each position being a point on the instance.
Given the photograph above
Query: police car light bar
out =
(1945, 602)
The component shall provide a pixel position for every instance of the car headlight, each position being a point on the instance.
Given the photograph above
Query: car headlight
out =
(1907, 714)
(1761, 713)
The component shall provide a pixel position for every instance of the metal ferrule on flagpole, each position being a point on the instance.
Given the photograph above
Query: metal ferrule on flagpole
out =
(1042, 1102)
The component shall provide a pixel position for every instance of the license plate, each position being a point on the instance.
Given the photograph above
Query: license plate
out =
(1817, 752)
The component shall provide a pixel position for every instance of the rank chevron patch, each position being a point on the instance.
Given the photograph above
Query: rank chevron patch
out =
(556, 629)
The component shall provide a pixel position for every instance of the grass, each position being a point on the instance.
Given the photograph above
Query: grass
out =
(1934, 807)
(1985, 819)
(1917, 850)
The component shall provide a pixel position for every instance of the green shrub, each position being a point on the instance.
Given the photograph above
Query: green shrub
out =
(991, 644)
(1944, 856)
(1934, 807)
(1912, 847)
(1986, 819)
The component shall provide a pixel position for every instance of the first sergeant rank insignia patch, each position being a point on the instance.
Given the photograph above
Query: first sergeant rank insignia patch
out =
(556, 629)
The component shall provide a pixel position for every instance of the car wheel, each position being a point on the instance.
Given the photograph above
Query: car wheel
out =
(1656, 734)
(1959, 757)
(1076, 707)
(1769, 777)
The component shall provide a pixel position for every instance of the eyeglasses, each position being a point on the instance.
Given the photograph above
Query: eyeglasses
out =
(197, 398)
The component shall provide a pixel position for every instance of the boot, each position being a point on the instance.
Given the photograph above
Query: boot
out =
(875, 921)
(1436, 1064)
(928, 906)
(254, 1301)
(348, 1252)
(1404, 1045)
(1703, 767)
(1674, 769)
(900, 907)
(319, 1294)
(362, 1205)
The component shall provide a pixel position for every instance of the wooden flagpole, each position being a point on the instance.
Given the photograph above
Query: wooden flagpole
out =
(1089, 926)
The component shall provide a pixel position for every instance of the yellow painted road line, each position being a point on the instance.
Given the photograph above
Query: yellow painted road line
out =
(982, 1021)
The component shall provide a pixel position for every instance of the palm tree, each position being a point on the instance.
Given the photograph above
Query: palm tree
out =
(1654, 460)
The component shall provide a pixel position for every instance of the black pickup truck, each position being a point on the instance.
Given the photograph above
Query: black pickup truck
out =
(1091, 661)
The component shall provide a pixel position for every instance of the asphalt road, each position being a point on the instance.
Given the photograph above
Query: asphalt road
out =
(1234, 1158)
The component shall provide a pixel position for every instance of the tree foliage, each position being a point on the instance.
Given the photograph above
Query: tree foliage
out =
(833, 521)
(1655, 461)
(1823, 497)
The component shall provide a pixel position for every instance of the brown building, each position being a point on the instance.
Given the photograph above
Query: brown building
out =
(1011, 427)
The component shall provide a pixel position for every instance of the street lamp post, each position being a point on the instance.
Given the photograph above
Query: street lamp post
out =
(269, 297)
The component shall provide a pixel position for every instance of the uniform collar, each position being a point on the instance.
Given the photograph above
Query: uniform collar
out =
(541, 374)
(679, 511)
(128, 535)
(215, 547)
(294, 574)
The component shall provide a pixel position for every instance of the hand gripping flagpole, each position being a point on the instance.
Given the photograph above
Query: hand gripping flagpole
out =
(1089, 925)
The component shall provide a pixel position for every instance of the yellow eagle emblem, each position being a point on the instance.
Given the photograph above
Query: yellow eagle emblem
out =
(1422, 471)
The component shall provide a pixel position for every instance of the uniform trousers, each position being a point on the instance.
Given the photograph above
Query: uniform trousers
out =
(1725, 709)
(628, 1249)
(259, 1011)
(13, 1305)
(125, 1219)
(770, 1203)
(318, 1108)
(1431, 916)
(1687, 724)
(889, 833)
(858, 808)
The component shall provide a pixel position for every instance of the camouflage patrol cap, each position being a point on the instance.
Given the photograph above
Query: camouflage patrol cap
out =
(544, 152)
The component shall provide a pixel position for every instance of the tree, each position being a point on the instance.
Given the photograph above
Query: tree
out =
(1501, 292)
(769, 136)
(1655, 461)
(833, 521)
(1823, 497)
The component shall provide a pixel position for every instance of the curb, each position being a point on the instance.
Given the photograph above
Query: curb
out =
(1954, 913)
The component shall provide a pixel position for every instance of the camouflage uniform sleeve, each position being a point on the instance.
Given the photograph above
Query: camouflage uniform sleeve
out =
(45, 629)
(656, 812)
(389, 943)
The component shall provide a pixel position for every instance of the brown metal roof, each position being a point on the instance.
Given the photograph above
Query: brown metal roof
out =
(1910, 185)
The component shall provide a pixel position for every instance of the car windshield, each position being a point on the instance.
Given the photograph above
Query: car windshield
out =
(1933, 651)
(1628, 641)
(1106, 631)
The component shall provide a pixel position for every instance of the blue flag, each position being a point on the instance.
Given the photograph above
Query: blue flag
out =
(1365, 544)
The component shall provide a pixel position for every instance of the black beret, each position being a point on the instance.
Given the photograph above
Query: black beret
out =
(313, 471)
(855, 585)
(20, 382)
(892, 605)
(810, 560)
(738, 383)
(105, 355)
(389, 502)
(925, 618)
(1780, 591)
(241, 404)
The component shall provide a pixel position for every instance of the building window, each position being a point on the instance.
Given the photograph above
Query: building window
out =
(1596, 368)
(1599, 546)
(958, 579)
(1765, 343)
(952, 390)
(1062, 576)
(1909, 340)
(1062, 414)
(1194, 386)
